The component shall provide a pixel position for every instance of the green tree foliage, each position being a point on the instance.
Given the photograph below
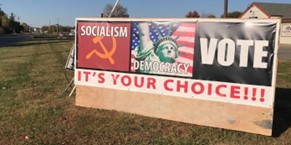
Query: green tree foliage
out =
(2, 14)
(207, 15)
(234, 14)
(5, 22)
(26, 27)
(12, 17)
(211, 16)
(192, 14)
(119, 11)
(53, 29)
(9, 24)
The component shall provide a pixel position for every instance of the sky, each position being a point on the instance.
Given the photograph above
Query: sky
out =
(38, 13)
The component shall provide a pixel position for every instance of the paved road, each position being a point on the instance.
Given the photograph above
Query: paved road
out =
(13, 38)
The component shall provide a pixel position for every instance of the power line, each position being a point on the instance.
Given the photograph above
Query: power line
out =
(116, 3)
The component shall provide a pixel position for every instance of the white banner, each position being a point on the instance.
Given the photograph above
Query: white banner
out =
(253, 95)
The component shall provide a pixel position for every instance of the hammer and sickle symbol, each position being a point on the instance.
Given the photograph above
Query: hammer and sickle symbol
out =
(107, 54)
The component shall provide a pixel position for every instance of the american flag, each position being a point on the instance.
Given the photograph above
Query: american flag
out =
(186, 31)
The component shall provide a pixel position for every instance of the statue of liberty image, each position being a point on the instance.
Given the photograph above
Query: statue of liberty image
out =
(162, 52)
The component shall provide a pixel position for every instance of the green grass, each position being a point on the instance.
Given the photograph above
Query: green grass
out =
(284, 74)
(45, 36)
(32, 110)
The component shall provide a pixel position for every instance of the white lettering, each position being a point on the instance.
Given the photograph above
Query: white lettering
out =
(226, 52)
(93, 31)
(166, 67)
(135, 65)
(260, 53)
(244, 51)
(83, 31)
(88, 31)
(208, 51)
(104, 31)
(123, 32)
(226, 49)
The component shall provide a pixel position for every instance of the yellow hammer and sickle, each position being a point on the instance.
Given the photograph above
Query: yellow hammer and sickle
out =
(106, 54)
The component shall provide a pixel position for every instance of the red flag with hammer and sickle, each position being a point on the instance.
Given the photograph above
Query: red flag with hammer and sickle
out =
(103, 46)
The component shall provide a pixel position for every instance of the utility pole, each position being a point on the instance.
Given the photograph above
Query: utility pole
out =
(58, 31)
(225, 8)
(49, 26)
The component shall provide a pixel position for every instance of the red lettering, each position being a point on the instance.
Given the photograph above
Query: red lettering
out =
(137, 83)
(101, 78)
(234, 92)
(79, 75)
(182, 86)
(87, 73)
(209, 89)
(151, 83)
(114, 78)
(126, 80)
(218, 90)
(201, 88)
(166, 85)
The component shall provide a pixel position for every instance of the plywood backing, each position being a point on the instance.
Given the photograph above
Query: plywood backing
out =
(207, 113)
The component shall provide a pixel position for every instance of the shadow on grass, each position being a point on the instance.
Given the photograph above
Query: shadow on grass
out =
(282, 111)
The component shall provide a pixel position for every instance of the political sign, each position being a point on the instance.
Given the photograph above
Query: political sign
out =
(210, 61)
(216, 61)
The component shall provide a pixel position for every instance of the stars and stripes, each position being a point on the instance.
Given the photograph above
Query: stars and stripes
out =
(187, 39)
(185, 32)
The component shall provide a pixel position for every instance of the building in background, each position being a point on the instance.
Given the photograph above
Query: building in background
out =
(259, 10)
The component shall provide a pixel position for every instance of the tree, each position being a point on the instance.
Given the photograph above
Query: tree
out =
(44, 29)
(234, 14)
(9, 24)
(12, 17)
(211, 16)
(26, 27)
(119, 11)
(67, 28)
(192, 14)
(53, 29)
(207, 15)
(2, 14)
(14, 25)
(5, 22)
